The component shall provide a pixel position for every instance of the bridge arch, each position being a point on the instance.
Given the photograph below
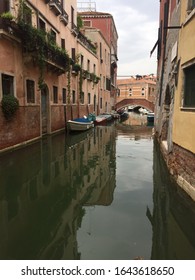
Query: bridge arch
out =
(144, 103)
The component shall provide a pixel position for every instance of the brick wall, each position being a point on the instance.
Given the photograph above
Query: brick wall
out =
(181, 162)
(25, 125)
(57, 118)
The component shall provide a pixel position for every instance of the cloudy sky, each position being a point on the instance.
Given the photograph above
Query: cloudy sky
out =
(137, 26)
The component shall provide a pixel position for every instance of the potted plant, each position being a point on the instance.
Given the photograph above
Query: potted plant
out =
(76, 68)
(7, 16)
(9, 105)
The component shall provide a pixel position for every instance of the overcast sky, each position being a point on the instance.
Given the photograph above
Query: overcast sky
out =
(137, 26)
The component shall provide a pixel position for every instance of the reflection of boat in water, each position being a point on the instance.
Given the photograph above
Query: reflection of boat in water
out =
(75, 138)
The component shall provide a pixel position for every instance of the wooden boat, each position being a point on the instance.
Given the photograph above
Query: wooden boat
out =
(143, 111)
(108, 116)
(124, 115)
(100, 120)
(103, 119)
(79, 124)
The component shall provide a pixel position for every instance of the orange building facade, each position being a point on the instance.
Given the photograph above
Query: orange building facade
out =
(53, 70)
(142, 87)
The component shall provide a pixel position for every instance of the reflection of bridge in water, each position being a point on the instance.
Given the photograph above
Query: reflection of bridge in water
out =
(135, 102)
(135, 127)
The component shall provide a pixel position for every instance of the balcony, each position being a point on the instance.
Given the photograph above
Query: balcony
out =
(37, 47)
(55, 6)
(64, 17)
(74, 30)
(55, 60)
(9, 28)
(114, 60)
(86, 42)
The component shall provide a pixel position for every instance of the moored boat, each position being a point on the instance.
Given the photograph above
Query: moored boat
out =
(80, 124)
(103, 119)
(124, 115)
(100, 119)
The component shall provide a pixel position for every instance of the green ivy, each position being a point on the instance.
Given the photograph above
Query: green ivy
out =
(7, 15)
(9, 105)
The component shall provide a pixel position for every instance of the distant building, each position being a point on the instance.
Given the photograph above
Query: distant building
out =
(105, 23)
(139, 87)
(102, 70)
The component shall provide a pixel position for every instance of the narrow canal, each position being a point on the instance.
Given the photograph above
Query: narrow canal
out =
(103, 194)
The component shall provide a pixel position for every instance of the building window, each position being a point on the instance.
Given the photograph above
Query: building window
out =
(64, 96)
(55, 94)
(82, 97)
(101, 81)
(7, 84)
(30, 88)
(94, 102)
(101, 103)
(130, 91)
(52, 36)
(101, 52)
(191, 5)
(143, 91)
(88, 65)
(89, 98)
(73, 54)
(42, 25)
(87, 23)
(108, 84)
(72, 17)
(82, 61)
(63, 44)
(189, 86)
(73, 97)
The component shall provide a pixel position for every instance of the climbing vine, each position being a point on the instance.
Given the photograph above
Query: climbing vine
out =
(39, 45)
(68, 79)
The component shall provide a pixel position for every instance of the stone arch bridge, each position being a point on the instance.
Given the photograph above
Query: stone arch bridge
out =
(135, 102)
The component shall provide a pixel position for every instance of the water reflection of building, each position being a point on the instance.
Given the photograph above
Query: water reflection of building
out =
(41, 207)
(103, 190)
(173, 216)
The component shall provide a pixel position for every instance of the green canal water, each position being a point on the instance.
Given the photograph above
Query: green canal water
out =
(100, 195)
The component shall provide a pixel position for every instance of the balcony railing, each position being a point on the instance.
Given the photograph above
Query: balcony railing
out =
(86, 42)
(56, 60)
(55, 6)
(74, 30)
(64, 17)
